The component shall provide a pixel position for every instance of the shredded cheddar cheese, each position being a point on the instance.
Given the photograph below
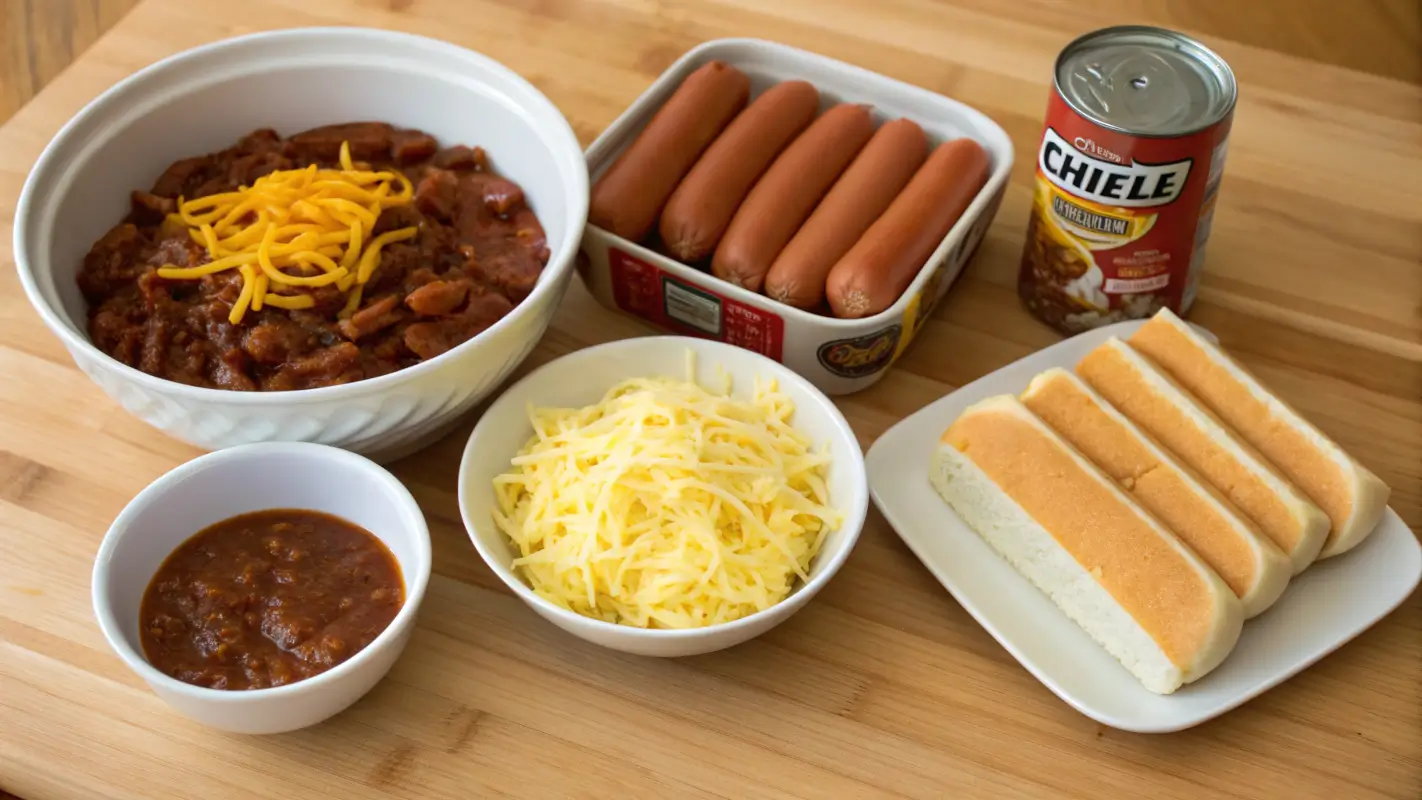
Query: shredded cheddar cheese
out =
(666, 505)
(301, 227)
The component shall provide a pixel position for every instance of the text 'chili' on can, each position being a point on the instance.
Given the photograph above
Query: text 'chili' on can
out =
(1127, 175)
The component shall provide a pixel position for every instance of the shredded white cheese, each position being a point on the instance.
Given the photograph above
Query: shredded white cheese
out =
(666, 505)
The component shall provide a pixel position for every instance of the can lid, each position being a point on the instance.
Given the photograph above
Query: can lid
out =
(1145, 81)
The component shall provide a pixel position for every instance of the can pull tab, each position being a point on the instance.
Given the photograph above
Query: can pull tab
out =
(1138, 90)
(1097, 84)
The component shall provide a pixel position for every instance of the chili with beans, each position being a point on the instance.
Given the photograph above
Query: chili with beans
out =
(268, 598)
(478, 253)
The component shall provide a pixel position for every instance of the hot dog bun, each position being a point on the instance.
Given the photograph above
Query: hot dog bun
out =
(878, 174)
(1352, 496)
(1070, 530)
(1254, 568)
(787, 193)
(629, 195)
(1201, 440)
(702, 206)
(881, 265)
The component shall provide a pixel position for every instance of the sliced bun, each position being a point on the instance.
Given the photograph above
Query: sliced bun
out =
(1252, 565)
(1352, 496)
(1166, 411)
(1072, 531)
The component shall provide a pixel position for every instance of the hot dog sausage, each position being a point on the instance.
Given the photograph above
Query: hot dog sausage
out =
(628, 197)
(703, 204)
(879, 172)
(787, 193)
(877, 269)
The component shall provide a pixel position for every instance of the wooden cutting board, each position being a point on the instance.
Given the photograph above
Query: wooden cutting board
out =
(883, 687)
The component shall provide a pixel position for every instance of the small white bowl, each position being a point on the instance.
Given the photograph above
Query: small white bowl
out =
(582, 378)
(236, 481)
(203, 100)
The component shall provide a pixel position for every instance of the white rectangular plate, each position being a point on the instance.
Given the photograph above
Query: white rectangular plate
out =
(1323, 608)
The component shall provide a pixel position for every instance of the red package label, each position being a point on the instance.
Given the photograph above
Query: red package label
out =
(1119, 222)
(655, 295)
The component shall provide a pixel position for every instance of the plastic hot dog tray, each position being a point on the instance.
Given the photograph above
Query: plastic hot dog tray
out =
(838, 355)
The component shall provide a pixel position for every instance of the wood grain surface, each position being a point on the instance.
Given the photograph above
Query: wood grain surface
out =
(883, 686)
(39, 38)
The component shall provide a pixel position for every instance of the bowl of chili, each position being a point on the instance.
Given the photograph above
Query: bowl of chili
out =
(266, 587)
(379, 308)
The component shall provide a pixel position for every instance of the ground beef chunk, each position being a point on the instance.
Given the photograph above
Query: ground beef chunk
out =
(373, 318)
(437, 193)
(149, 208)
(369, 141)
(324, 367)
(500, 196)
(430, 339)
(245, 170)
(262, 140)
(230, 372)
(177, 252)
(118, 334)
(393, 219)
(181, 174)
(113, 263)
(437, 298)
(411, 147)
(275, 340)
(461, 157)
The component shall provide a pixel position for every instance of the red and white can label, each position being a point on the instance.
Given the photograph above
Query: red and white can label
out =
(1119, 222)
(655, 295)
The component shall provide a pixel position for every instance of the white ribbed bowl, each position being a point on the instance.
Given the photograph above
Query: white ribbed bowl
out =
(203, 100)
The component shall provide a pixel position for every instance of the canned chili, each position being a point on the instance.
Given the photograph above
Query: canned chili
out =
(1127, 175)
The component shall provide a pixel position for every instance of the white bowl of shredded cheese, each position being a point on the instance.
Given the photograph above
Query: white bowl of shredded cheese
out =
(664, 496)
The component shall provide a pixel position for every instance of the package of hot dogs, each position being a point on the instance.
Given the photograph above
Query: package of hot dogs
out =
(790, 204)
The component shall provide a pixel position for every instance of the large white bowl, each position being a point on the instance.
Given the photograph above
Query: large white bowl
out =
(203, 100)
(582, 378)
(236, 481)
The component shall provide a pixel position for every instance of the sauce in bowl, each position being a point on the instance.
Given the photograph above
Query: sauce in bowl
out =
(267, 599)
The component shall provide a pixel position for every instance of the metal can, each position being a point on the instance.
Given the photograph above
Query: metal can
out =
(1127, 176)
